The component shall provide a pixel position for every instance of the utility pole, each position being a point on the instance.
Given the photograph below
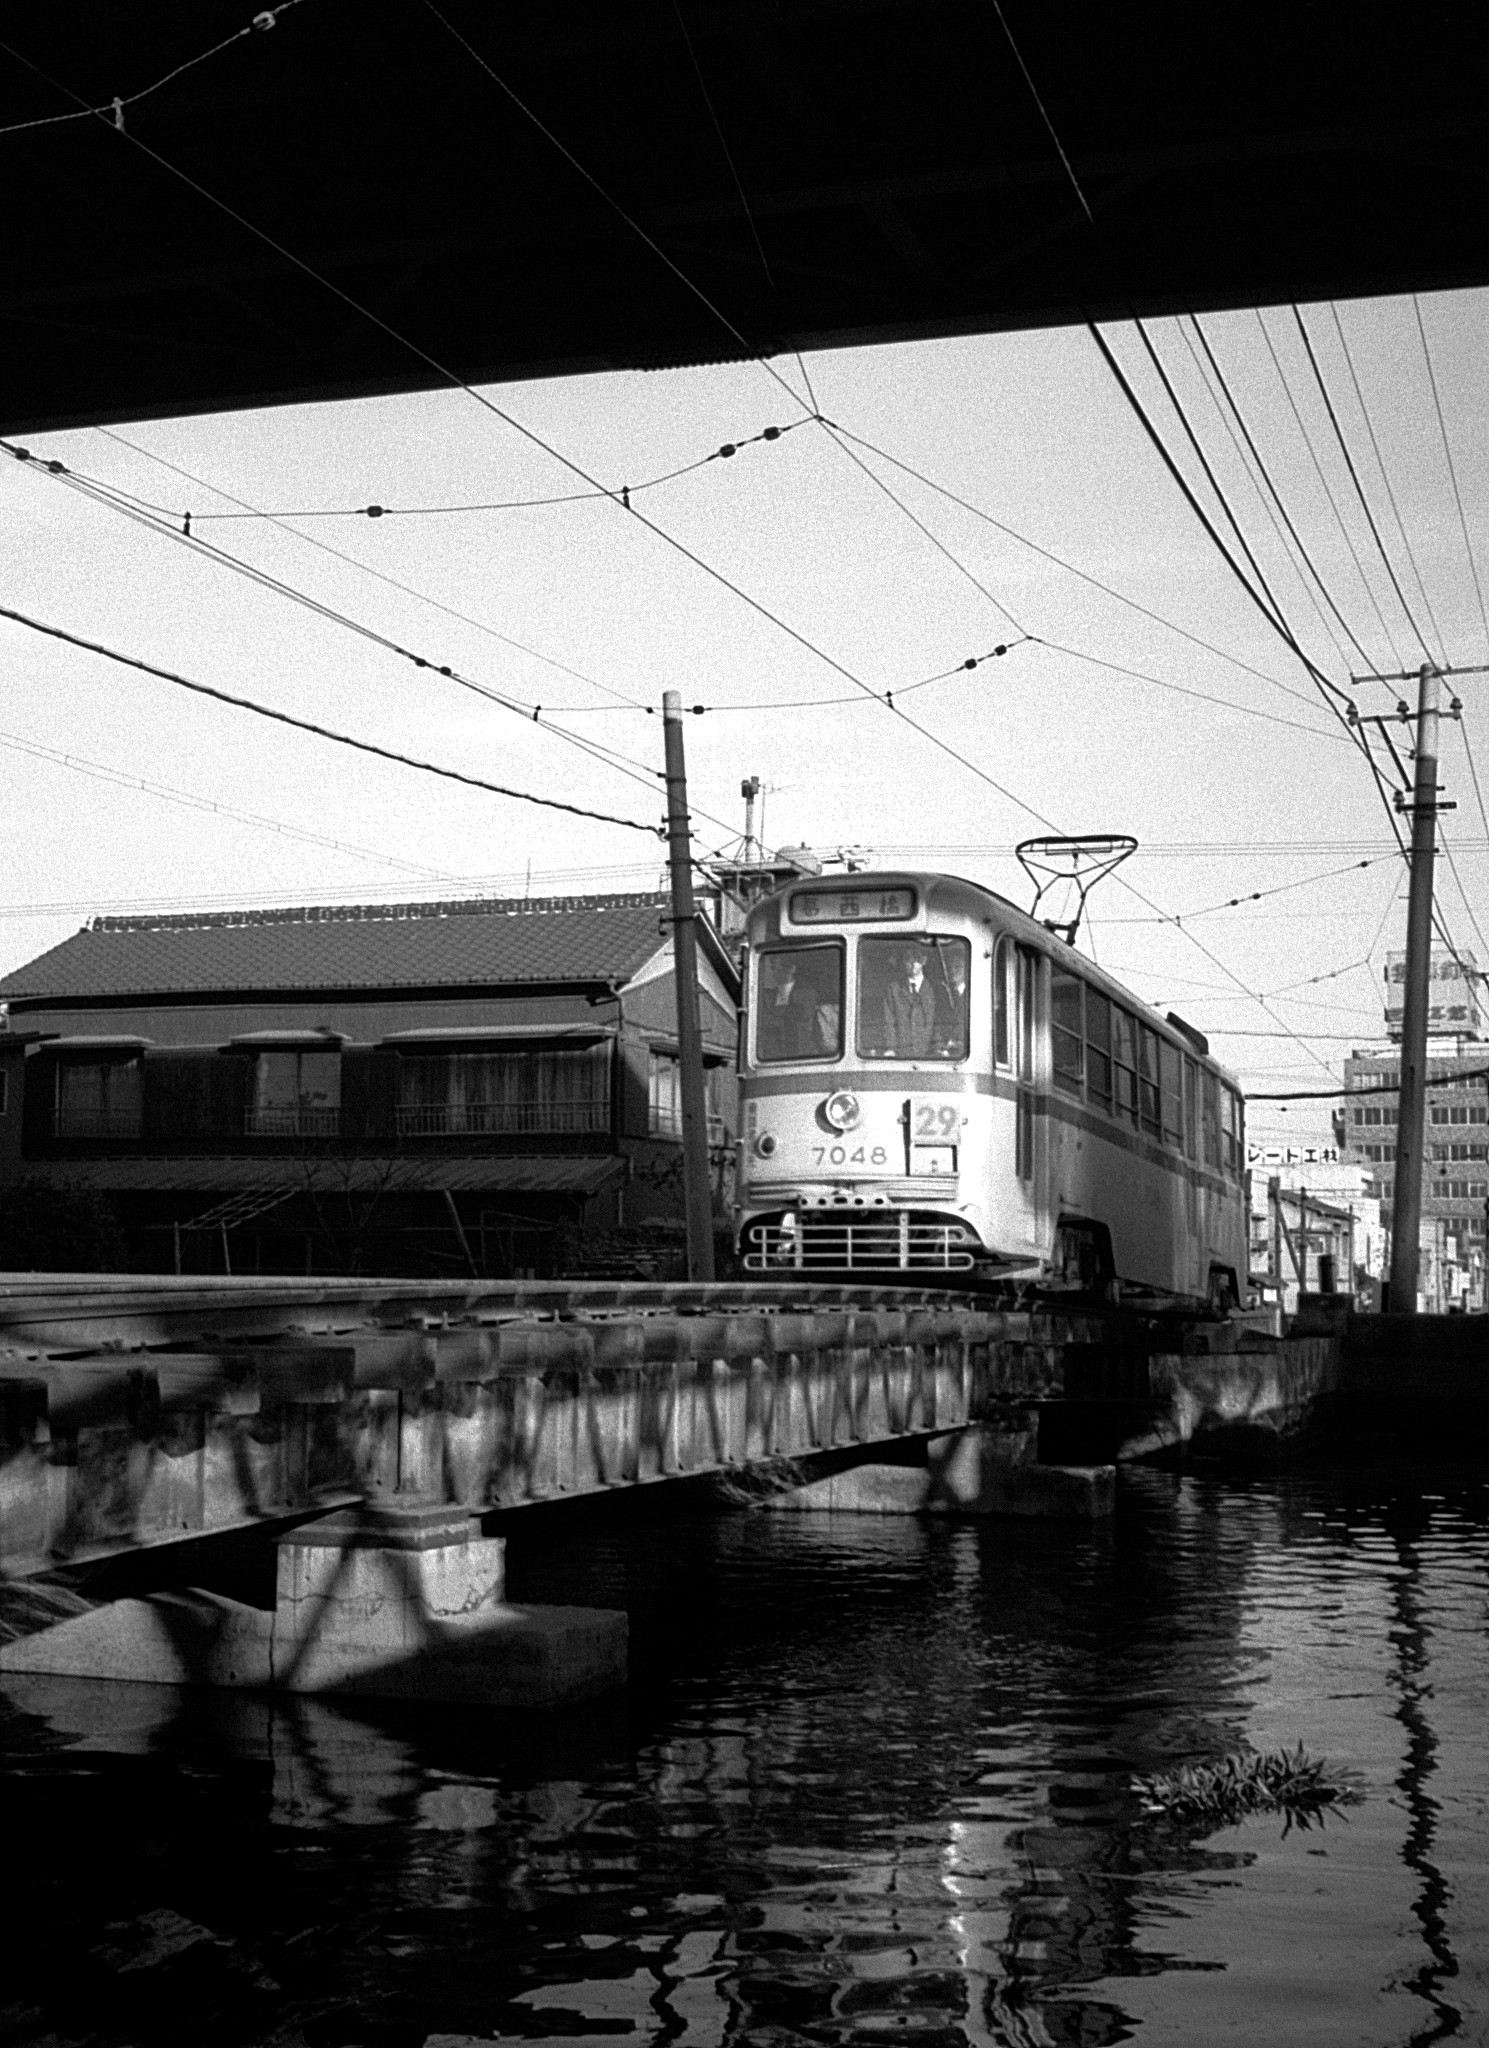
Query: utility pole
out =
(697, 1191)
(1406, 1210)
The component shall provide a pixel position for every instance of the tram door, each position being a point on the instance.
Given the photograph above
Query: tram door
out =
(1017, 1002)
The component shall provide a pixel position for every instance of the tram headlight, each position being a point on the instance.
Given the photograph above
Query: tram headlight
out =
(765, 1145)
(842, 1110)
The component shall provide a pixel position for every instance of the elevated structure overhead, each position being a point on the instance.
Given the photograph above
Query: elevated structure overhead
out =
(900, 177)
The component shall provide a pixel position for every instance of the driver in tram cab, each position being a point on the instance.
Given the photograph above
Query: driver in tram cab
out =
(910, 1012)
(788, 1021)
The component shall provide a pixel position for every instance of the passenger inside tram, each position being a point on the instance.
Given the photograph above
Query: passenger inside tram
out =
(799, 1009)
(912, 999)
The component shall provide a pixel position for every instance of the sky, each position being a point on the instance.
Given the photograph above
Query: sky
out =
(125, 793)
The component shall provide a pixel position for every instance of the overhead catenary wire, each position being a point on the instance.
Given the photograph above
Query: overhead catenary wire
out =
(113, 110)
(578, 469)
(323, 732)
(1259, 895)
(724, 453)
(60, 472)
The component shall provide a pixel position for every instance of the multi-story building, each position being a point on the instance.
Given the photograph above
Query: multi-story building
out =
(1455, 1173)
(468, 1087)
(1310, 1205)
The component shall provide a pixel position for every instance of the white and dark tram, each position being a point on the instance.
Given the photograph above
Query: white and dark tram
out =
(932, 1083)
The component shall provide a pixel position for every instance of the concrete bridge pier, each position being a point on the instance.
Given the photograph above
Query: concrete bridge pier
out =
(394, 1599)
(989, 1467)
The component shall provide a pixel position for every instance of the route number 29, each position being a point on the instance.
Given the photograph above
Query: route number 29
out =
(936, 1122)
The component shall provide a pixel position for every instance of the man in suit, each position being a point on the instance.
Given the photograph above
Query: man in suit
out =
(910, 1027)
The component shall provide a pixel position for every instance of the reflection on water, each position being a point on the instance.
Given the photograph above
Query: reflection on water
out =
(872, 1781)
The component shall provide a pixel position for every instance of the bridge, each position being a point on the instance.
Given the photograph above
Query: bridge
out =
(385, 1439)
(316, 211)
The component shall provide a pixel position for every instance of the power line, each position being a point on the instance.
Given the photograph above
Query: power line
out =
(113, 110)
(1183, 690)
(1354, 477)
(615, 206)
(1348, 538)
(184, 797)
(322, 731)
(1276, 497)
(1447, 450)
(1043, 113)
(576, 468)
(1385, 476)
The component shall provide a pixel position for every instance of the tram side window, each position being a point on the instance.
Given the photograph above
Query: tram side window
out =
(1124, 1065)
(912, 998)
(1067, 1033)
(1191, 1110)
(1231, 1129)
(1148, 1080)
(1002, 1003)
(1028, 971)
(1098, 1048)
(799, 1003)
(1169, 1079)
(1210, 1119)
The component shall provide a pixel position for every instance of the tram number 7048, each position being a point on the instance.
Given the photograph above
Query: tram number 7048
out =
(842, 1155)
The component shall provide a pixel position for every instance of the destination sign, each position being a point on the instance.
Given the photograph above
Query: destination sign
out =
(852, 906)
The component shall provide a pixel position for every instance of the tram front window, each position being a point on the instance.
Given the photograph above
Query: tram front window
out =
(912, 999)
(799, 1003)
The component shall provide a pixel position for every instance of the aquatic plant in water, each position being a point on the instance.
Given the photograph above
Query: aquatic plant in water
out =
(1286, 1781)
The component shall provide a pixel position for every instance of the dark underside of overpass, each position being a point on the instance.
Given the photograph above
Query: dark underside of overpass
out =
(900, 178)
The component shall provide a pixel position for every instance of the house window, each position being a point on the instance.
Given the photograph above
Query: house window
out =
(664, 1098)
(295, 1095)
(99, 1099)
(544, 1093)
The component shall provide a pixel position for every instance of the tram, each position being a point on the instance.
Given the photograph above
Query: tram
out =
(933, 1083)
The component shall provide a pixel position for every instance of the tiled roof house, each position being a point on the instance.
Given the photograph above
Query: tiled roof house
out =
(440, 1087)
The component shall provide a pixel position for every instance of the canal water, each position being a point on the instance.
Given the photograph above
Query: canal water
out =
(873, 1781)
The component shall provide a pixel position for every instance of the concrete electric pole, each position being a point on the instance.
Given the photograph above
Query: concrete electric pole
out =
(697, 1189)
(1406, 1209)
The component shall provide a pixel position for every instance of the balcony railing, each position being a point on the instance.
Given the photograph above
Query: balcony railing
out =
(504, 1119)
(96, 1123)
(667, 1123)
(299, 1122)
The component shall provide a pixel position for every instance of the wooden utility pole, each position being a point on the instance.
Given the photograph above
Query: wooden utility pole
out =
(1406, 1208)
(697, 1188)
